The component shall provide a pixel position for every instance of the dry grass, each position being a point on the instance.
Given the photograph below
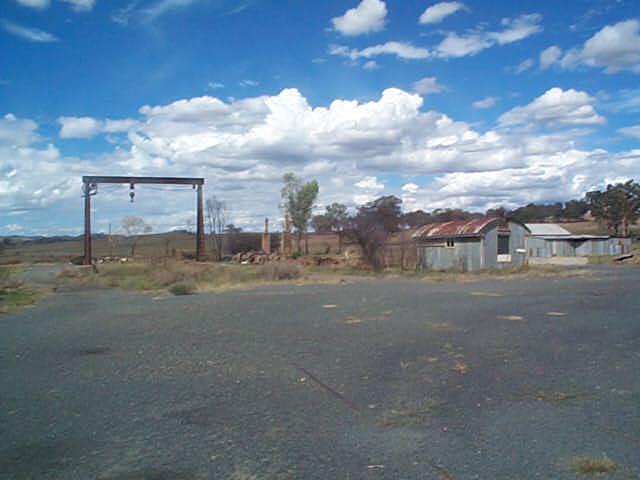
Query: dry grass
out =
(593, 465)
(183, 277)
(610, 260)
(551, 395)
(560, 396)
(459, 367)
(281, 271)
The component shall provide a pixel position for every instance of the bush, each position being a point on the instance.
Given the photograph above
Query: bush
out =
(183, 288)
(281, 271)
(7, 279)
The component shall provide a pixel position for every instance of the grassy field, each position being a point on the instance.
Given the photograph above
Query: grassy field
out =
(13, 293)
(162, 245)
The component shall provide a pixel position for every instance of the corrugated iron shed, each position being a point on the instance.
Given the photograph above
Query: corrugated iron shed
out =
(458, 228)
(547, 229)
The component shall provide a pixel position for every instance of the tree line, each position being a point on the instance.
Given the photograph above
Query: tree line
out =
(616, 208)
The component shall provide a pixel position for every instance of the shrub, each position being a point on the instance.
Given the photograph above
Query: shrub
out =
(281, 271)
(601, 465)
(8, 280)
(183, 288)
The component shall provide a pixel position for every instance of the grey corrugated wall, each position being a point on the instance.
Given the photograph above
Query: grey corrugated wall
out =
(473, 253)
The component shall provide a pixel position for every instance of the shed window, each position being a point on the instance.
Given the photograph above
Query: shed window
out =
(503, 244)
(451, 243)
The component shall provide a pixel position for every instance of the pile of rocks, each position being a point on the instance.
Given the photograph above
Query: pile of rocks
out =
(112, 260)
(255, 257)
(260, 258)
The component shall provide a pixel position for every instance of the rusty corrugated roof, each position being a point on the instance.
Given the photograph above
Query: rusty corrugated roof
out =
(459, 228)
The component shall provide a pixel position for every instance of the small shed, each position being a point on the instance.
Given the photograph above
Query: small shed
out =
(471, 244)
(551, 240)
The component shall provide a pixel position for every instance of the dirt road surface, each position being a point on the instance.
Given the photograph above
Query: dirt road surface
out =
(496, 379)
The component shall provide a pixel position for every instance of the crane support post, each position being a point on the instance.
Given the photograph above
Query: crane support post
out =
(90, 181)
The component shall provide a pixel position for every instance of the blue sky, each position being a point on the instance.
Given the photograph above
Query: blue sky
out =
(453, 104)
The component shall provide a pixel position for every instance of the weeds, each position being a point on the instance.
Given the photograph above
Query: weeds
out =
(549, 395)
(13, 294)
(281, 271)
(593, 465)
(183, 288)
(554, 396)
(8, 280)
(410, 415)
(459, 367)
(184, 278)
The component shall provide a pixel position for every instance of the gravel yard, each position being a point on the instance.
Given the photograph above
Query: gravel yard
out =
(376, 379)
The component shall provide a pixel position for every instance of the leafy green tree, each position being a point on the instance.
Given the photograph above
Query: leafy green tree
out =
(372, 225)
(321, 223)
(417, 218)
(617, 207)
(333, 220)
(575, 209)
(297, 203)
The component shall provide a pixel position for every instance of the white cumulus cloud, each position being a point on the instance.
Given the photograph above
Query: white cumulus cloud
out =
(18, 132)
(368, 16)
(357, 150)
(87, 127)
(439, 11)
(614, 48)
(631, 131)
(487, 102)
(402, 50)
(524, 66)
(427, 85)
(555, 107)
(550, 56)
(519, 28)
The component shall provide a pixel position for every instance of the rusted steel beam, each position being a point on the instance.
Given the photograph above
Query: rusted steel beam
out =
(200, 227)
(91, 181)
(141, 180)
(352, 405)
(87, 224)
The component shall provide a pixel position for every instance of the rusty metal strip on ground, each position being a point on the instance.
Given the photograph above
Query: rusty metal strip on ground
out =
(353, 406)
(441, 471)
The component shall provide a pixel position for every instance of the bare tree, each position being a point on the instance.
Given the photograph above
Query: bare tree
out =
(133, 228)
(372, 225)
(188, 224)
(216, 221)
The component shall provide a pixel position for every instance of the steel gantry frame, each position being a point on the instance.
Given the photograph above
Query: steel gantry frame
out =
(90, 188)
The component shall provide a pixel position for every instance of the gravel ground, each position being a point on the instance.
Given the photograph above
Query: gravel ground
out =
(496, 379)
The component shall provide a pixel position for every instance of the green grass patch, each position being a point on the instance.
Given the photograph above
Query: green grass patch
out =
(593, 465)
(13, 293)
(409, 415)
(183, 288)
(14, 299)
